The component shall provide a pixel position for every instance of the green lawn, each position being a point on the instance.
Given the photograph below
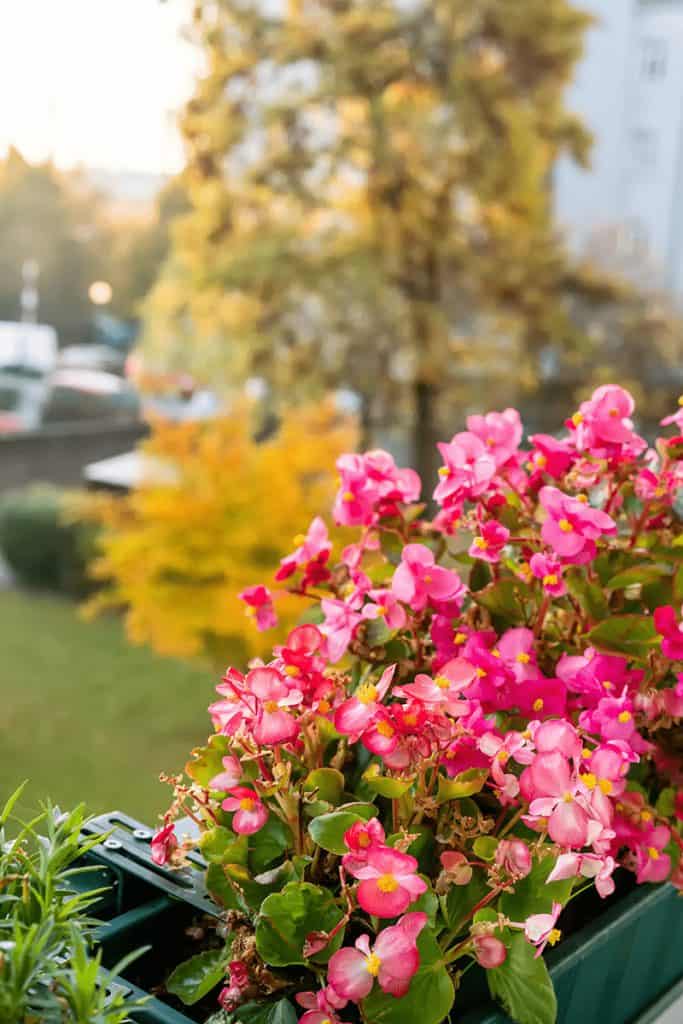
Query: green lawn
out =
(86, 717)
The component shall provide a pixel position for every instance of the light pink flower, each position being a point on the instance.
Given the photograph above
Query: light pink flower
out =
(540, 929)
(339, 626)
(250, 814)
(259, 602)
(493, 537)
(603, 425)
(393, 960)
(229, 777)
(388, 882)
(557, 795)
(501, 433)
(653, 865)
(418, 579)
(385, 606)
(589, 865)
(321, 1007)
(274, 722)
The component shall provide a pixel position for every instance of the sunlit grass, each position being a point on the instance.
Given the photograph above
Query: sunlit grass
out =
(85, 716)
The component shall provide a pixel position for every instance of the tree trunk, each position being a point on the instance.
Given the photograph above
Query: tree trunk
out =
(426, 455)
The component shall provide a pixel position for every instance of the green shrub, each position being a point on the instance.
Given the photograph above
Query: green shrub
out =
(41, 544)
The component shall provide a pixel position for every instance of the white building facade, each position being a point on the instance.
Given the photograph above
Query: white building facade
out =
(627, 210)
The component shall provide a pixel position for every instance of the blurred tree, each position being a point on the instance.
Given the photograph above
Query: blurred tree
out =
(175, 554)
(370, 190)
(49, 217)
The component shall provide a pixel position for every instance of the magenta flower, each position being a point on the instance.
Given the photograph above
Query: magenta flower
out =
(229, 777)
(653, 864)
(339, 626)
(604, 427)
(551, 456)
(362, 837)
(371, 485)
(393, 960)
(572, 526)
(315, 546)
(388, 882)
(250, 814)
(670, 631)
(238, 981)
(549, 571)
(259, 602)
(163, 844)
(355, 715)
(469, 467)
(540, 929)
(418, 579)
(493, 537)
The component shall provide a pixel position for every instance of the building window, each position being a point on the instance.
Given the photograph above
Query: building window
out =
(653, 58)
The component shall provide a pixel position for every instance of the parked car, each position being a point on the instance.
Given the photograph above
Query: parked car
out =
(92, 357)
(21, 402)
(28, 348)
(74, 395)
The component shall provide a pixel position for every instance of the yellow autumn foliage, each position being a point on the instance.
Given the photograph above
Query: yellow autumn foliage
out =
(174, 555)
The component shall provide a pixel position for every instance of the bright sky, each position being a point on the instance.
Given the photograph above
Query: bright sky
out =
(95, 82)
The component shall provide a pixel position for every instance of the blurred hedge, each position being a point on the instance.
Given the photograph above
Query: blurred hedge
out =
(42, 543)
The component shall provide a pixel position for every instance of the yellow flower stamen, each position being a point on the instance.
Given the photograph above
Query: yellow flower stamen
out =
(624, 716)
(385, 729)
(480, 543)
(348, 496)
(589, 780)
(247, 804)
(372, 965)
(523, 658)
(568, 797)
(366, 693)
(583, 498)
(541, 461)
(299, 540)
(606, 786)
(444, 471)
(460, 638)
(538, 704)
(653, 853)
(607, 685)
(292, 670)
(442, 682)
(270, 706)
(550, 580)
(387, 883)
(577, 419)
(565, 526)
(554, 937)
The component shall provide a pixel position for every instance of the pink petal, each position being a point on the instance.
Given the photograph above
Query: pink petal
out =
(382, 904)
(348, 975)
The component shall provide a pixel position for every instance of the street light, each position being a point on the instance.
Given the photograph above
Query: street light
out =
(100, 293)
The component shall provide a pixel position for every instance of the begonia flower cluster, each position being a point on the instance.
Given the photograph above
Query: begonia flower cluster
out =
(485, 686)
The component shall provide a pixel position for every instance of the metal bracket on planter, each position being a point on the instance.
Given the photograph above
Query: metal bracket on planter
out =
(126, 848)
(152, 1012)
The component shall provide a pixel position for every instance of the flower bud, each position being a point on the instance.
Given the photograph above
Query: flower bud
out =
(456, 868)
(489, 951)
(514, 857)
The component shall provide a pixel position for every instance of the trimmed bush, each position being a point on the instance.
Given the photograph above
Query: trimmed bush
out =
(41, 544)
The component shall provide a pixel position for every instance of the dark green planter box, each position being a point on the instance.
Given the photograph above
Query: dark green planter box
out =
(624, 967)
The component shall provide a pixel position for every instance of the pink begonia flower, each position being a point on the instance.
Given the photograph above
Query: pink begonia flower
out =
(381, 737)
(315, 546)
(654, 865)
(321, 1007)
(489, 951)
(670, 631)
(612, 719)
(493, 537)
(516, 647)
(238, 981)
(596, 675)
(384, 606)
(339, 626)
(541, 697)
(549, 571)
(609, 763)
(469, 467)
(572, 526)
(445, 689)
(362, 837)
(557, 795)
(603, 425)
(393, 960)
(354, 715)
(418, 579)
(671, 699)
(250, 814)
(514, 857)
(589, 865)
(370, 485)
(259, 602)
(388, 882)
(274, 723)
(675, 417)
(551, 456)
(163, 844)
(650, 487)
(229, 777)
(501, 432)
(540, 929)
